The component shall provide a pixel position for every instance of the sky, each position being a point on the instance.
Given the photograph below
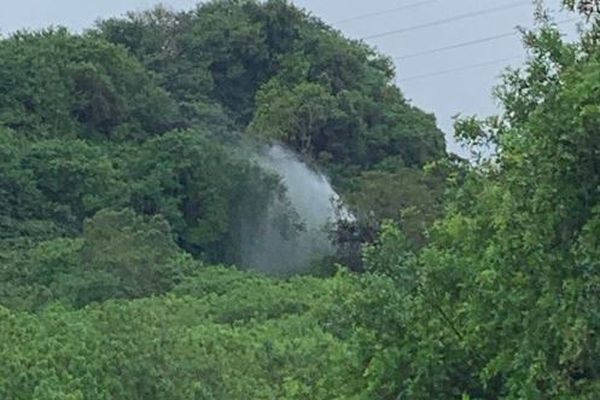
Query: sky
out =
(446, 83)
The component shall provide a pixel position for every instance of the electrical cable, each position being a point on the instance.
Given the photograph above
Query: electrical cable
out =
(388, 11)
(492, 10)
(459, 69)
(469, 43)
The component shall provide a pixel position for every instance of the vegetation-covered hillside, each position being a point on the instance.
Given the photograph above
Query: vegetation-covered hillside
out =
(124, 185)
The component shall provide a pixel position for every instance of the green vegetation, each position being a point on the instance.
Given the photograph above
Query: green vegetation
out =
(124, 185)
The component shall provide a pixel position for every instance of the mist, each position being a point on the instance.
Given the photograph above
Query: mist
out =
(293, 234)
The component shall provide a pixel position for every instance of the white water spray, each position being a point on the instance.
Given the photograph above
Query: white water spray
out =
(310, 196)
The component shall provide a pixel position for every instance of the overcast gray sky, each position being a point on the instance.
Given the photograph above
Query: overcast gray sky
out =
(454, 90)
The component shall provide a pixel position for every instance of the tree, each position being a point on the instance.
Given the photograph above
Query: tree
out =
(502, 302)
(264, 62)
(201, 189)
(74, 177)
(55, 84)
(297, 116)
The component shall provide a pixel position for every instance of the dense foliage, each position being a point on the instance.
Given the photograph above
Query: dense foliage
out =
(123, 178)
(503, 302)
(283, 75)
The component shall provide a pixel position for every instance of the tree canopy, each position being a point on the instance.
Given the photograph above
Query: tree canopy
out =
(126, 185)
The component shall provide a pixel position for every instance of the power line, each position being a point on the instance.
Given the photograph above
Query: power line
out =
(456, 46)
(459, 69)
(390, 10)
(469, 43)
(448, 20)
